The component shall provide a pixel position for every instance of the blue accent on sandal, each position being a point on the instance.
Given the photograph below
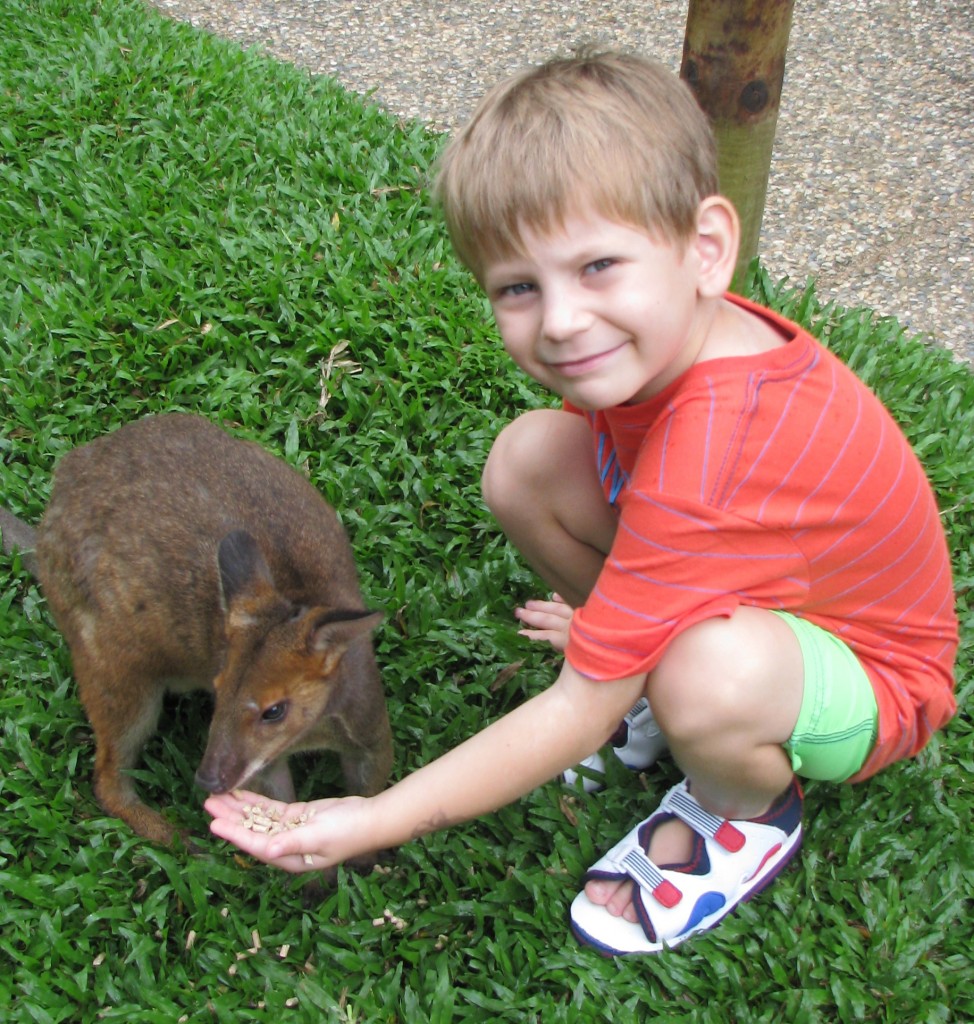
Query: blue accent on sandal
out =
(706, 905)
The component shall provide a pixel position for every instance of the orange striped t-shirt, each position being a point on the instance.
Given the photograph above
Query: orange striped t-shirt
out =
(780, 481)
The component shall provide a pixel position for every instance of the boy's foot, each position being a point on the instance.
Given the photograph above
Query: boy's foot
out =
(730, 862)
(637, 743)
(591, 771)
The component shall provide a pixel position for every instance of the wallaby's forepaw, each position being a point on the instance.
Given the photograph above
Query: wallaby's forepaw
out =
(149, 824)
(314, 891)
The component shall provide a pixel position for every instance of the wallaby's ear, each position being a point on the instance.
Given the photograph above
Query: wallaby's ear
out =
(333, 632)
(241, 565)
(341, 628)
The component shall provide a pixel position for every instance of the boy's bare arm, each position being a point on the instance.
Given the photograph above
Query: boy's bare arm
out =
(514, 755)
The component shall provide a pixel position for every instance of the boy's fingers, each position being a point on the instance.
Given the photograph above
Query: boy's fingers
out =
(534, 611)
(557, 638)
(220, 804)
(556, 608)
(538, 621)
(236, 803)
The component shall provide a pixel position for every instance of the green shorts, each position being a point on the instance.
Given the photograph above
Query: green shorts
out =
(837, 723)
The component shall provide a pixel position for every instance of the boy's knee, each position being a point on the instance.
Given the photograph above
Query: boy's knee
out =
(517, 459)
(495, 480)
(694, 686)
(725, 672)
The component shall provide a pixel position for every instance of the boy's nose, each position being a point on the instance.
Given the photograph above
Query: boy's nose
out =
(564, 317)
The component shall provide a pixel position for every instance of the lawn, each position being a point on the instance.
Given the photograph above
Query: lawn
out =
(184, 225)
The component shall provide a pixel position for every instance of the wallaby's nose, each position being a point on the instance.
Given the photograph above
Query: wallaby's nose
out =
(211, 780)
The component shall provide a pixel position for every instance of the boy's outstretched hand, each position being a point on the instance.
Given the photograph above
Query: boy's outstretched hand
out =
(295, 837)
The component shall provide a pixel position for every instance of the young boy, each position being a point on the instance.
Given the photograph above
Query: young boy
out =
(738, 532)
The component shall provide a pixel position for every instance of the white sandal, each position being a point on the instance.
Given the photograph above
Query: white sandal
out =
(734, 860)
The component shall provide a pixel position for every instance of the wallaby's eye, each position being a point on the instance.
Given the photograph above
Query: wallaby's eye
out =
(276, 712)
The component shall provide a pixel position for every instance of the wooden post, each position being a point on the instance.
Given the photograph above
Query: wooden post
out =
(734, 60)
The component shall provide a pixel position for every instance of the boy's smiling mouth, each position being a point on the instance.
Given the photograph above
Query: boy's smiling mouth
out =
(577, 367)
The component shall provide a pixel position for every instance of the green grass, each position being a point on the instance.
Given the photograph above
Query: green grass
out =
(186, 226)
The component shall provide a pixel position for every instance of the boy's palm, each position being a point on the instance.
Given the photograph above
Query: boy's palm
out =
(307, 836)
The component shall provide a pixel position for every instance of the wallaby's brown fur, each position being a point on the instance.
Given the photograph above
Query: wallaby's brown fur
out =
(175, 557)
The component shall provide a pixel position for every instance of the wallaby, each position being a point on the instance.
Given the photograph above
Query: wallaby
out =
(175, 557)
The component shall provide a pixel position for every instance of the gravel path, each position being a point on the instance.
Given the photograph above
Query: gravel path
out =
(872, 182)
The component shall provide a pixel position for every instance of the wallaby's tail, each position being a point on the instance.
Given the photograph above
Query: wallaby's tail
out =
(18, 536)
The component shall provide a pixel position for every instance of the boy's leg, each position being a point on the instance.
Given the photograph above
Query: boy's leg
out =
(542, 486)
(727, 695)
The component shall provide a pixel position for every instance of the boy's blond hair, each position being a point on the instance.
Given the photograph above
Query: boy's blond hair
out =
(616, 131)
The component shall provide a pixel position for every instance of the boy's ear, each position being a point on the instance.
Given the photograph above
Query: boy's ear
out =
(717, 241)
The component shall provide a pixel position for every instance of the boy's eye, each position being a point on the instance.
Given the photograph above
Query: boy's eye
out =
(521, 288)
(596, 265)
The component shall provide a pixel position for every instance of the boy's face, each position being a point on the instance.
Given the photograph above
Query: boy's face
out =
(598, 311)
